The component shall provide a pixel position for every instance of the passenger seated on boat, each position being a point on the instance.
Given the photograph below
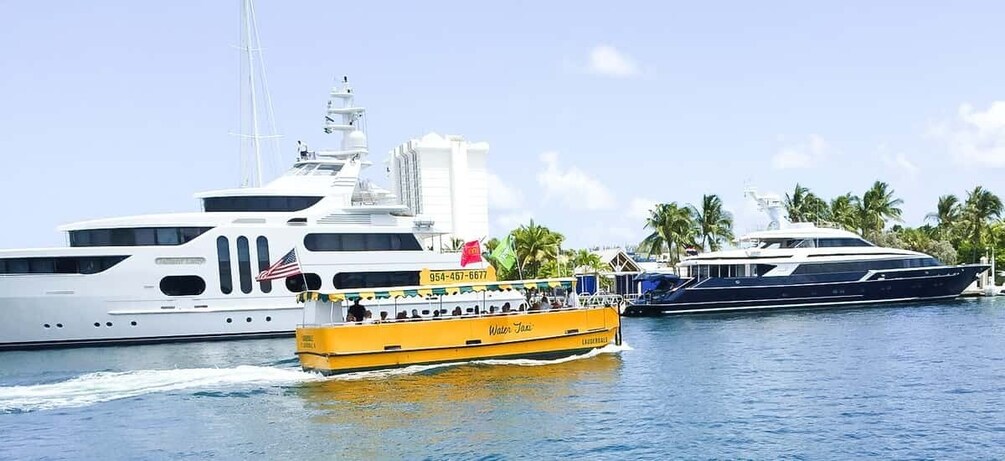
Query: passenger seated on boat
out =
(383, 315)
(535, 307)
(403, 315)
(506, 307)
(457, 311)
(349, 318)
(415, 314)
(368, 317)
(492, 309)
(436, 314)
(357, 310)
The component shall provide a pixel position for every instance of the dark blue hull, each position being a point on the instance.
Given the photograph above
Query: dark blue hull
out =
(815, 290)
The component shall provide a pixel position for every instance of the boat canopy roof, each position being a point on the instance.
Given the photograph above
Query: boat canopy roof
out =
(656, 276)
(433, 290)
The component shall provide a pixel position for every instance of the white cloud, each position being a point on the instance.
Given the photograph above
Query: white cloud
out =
(607, 60)
(638, 208)
(509, 221)
(900, 163)
(802, 154)
(501, 195)
(975, 137)
(576, 189)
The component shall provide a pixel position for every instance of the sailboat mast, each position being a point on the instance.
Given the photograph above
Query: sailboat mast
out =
(249, 15)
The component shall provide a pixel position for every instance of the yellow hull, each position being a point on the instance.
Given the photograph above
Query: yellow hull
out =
(332, 349)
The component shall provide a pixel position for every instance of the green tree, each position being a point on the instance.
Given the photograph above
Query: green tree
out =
(946, 215)
(844, 211)
(805, 206)
(673, 228)
(535, 245)
(715, 225)
(980, 208)
(876, 207)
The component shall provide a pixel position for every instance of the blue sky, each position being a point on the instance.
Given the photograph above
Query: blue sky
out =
(593, 110)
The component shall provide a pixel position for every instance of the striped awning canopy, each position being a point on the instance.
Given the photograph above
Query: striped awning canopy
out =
(435, 290)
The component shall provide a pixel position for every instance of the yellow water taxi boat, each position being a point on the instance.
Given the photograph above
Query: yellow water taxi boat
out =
(331, 341)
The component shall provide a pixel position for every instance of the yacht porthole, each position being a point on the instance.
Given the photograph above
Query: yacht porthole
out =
(96, 324)
(268, 319)
(229, 320)
(133, 323)
(59, 325)
(46, 325)
(108, 324)
(248, 320)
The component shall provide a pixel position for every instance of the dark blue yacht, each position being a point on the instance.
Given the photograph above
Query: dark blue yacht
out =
(798, 267)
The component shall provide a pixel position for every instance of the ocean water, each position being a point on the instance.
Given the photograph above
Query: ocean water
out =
(911, 381)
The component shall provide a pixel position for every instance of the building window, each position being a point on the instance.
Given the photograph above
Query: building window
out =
(183, 285)
(244, 264)
(295, 283)
(223, 256)
(59, 265)
(262, 247)
(135, 236)
(347, 280)
(265, 203)
(361, 242)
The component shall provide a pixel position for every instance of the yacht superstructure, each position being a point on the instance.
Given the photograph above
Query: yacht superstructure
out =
(800, 265)
(192, 275)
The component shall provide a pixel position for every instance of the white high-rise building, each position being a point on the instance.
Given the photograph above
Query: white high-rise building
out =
(444, 179)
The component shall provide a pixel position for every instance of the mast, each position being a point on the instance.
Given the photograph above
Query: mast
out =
(252, 169)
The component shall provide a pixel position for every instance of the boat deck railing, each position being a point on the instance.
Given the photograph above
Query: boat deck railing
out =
(601, 299)
(464, 316)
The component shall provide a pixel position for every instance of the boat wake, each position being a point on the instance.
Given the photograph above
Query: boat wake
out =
(101, 387)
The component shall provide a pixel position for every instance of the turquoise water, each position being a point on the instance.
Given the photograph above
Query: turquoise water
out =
(915, 381)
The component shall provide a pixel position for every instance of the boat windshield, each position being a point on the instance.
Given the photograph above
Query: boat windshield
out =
(786, 243)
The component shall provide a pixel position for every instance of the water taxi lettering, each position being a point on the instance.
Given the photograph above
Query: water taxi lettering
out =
(307, 341)
(517, 327)
(594, 341)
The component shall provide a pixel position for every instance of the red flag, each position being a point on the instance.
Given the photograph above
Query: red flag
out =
(471, 253)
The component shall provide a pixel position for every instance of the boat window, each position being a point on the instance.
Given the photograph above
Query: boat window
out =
(762, 269)
(295, 283)
(182, 285)
(223, 256)
(770, 244)
(842, 242)
(265, 203)
(307, 168)
(262, 250)
(361, 242)
(806, 243)
(135, 236)
(346, 280)
(327, 170)
(863, 266)
(59, 264)
(244, 264)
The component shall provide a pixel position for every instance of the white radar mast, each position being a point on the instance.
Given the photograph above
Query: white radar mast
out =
(772, 205)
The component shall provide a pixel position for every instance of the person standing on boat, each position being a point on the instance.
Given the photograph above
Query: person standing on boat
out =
(302, 150)
(357, 310)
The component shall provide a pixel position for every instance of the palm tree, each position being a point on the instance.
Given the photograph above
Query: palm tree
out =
(805, 206)
(588, 260)
(844, 211)
(715, 225)
(534, 245)
(981, 207)
(877, 206)
(946, 215)
(454, 245)
(673, 228)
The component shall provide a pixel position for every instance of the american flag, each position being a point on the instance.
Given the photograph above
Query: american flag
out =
(283, 268)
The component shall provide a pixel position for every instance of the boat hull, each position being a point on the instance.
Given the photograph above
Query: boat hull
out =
(334, 349)
(830, 290)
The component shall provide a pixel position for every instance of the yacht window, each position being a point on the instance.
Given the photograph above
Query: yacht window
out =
(262, 250)
(842, 242)
(307, 169)
(59, 264)
(244, 264)
(265, 203)
(223, 256)
(327, 170)
(135, 236)
(762, 269)
(863, 266)
(770, 244)
(182, 285)
(807, 243)
(361, 242)
(346, 280)
(295, 283)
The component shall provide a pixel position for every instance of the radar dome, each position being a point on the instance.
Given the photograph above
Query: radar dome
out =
(355, 140)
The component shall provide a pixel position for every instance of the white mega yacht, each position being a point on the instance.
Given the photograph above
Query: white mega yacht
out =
(182, 276)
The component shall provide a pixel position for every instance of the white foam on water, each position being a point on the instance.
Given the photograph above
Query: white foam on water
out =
(100, 387)
(608, 349)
